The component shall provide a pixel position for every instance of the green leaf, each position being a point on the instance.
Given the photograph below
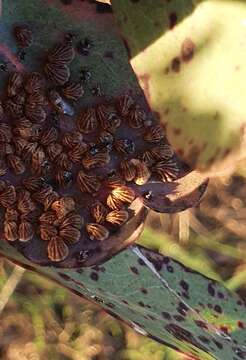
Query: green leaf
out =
(105, 62)
(147, 290)
(106, 59)
(189, 57)
(161, 298)
(50, 21)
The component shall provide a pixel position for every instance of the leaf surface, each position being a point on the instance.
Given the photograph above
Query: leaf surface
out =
(160, 298)
(189, 57)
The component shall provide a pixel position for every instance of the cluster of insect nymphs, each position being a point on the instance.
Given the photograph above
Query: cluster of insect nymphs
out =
(70, 184)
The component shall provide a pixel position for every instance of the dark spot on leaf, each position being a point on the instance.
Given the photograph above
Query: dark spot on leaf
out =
(64, 276)
(175, 65)
(170, 268)
(141, 262)
(176, 131)
(240, 324)
(144, 291)
(183, 335)
(165, 315)
(187, 50)
(204, 339)
(185, 295)
(172, 20)
(182, 309)
(221, 295)
(110, 305)
(218, 344)
(226, 153)
(184, 285)
(125, 302)
(140, 303)
(179, 318)
(156, 261)
(94, 276)
(134, 270)
(211, 290)
(218, 309)
(224, 329)
(201, 324)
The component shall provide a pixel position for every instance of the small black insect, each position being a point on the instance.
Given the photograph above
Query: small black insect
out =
(86, 75)
(69, 37)
(3, 67)
(21, 54)
(84, 47)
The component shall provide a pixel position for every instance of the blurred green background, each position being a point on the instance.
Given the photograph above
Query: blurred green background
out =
(40, 320)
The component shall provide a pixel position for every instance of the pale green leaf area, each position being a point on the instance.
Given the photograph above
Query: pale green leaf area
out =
(193, 74)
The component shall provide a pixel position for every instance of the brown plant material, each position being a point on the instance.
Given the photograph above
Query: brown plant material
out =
(154, 134)
(23, 36)
(124, 105)
(58, 74)
(97, 231)
(88, 183)
(57, 249)
(47, 232)
(136, 117)
(142, 173)
(124, 194)
(62, 53)
(117, 217)
(10, 230)
(98, 212)
(73, 91)
(72, 220)
(87, 121)
(15, 82)
(8, 196)
(63, 206)
(166, 170)
(70, 234)
(34, 83)
(25, 231)
(100, 159)
(114, 203)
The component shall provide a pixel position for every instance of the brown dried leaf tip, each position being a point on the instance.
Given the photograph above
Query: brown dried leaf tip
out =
(56, 68)
(70, 174)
